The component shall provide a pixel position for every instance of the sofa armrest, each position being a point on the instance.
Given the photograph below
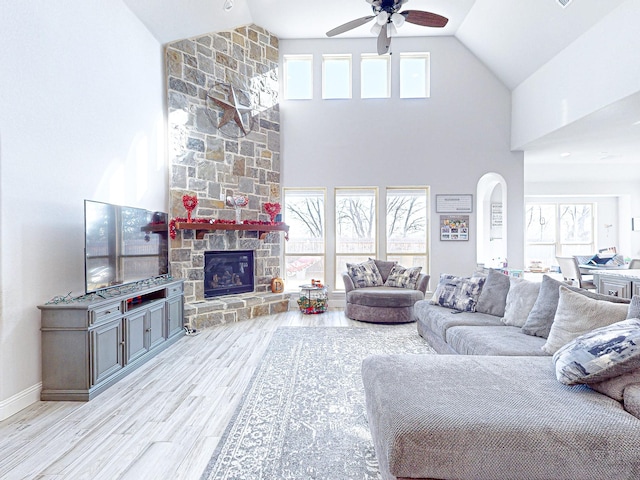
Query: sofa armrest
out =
(348, 283)
(423, 283)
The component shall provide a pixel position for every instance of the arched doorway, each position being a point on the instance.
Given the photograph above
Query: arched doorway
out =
(491, 241)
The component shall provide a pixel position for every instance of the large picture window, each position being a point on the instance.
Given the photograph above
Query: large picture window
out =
(304, 212)
(407, 226)
(356, 227)
(558, 230)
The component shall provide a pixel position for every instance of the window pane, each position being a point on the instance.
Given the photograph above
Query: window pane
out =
(406, 221)
(541, 223)
(409, 261)
(300, 270)
(356, 221)
(414, 71)
(576, 224)
(304, 213)
(374, 77)
(298, 71)
(336, 76)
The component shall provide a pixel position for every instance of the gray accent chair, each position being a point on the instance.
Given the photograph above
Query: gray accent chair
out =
(383, 304)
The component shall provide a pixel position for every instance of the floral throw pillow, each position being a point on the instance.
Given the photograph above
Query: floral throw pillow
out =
(600, 354)
(401, 277)
(459, 293)
(365, 274)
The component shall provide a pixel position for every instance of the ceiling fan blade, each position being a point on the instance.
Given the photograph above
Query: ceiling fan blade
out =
(349, 25)
(426, 19)
(383, 41)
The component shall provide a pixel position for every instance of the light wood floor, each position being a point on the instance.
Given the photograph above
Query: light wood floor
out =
(163, 421)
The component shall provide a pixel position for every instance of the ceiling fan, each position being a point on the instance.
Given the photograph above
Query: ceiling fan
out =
(388, 18)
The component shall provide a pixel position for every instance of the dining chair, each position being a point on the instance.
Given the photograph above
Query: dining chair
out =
(571, 273)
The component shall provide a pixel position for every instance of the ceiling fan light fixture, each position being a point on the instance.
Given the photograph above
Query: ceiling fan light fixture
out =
(375, 28)
(397, 19)
(391, 29)
(382, 18)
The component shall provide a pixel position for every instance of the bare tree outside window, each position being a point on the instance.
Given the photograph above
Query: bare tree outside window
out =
(407, 222)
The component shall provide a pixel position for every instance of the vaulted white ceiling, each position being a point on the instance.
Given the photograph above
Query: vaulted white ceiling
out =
(514, 38)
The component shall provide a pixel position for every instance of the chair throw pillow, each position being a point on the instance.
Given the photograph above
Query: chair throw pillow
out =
(493, 297)
(365, 274)
(384, 267)
(459, 293)
(401, 277)
(600, 354)
(520, 300)
(578, 314)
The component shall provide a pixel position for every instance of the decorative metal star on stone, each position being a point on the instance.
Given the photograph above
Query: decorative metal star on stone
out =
(233, 108)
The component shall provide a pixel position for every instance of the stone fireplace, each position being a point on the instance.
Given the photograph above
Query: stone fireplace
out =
(213, 165)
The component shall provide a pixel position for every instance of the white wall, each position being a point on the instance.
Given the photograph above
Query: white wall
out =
(596, 70)
(81, 116)
(448, 141)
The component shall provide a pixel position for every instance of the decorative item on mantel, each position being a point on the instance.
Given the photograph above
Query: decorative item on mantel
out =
(238, 201)
(190, 202)
(273, 209)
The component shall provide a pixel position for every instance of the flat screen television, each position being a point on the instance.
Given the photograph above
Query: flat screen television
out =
(123, 245)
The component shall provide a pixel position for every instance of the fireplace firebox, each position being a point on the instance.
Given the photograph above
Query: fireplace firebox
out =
(228, 272)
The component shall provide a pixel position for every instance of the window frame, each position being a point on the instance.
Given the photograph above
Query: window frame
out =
(374, 56)
(427, 74)
(338, 58)
(285, 70)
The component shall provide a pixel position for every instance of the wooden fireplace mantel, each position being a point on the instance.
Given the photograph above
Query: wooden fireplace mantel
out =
(202, 228)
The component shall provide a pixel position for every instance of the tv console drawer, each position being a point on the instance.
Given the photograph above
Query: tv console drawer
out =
(105, 313)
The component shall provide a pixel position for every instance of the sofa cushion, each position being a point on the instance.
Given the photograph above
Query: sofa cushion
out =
(493, 298)
(489, 340)
(544, 309)
(365, 274)
(384, 267)
(617, 386)
(401, 277)
(578, 314)
(600, 354)
(493, 418)
(460, 293)
(440, 319)
(384, 297)
(520, 300)
(632, 400)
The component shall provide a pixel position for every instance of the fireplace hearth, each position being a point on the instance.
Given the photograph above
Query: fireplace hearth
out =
(228, 272)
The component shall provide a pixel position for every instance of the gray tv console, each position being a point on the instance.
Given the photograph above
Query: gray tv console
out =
(91, 342)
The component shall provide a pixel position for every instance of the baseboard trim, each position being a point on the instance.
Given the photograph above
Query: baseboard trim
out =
(19, 401)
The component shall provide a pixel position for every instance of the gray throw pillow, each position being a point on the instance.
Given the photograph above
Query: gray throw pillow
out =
(634, 307)
(541, 317)
(520, 300)
(493, 297)
(459, 293)
(365, 274)
(384, 267)
(615, 387)
(577, 315)
(601, 354)
(401, 277)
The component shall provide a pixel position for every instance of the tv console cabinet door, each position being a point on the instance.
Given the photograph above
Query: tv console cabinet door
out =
(136, 343)
(156, 328)
(175, 315)
(107, 344)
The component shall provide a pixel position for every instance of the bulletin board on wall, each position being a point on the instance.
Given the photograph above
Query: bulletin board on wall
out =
(454, 228)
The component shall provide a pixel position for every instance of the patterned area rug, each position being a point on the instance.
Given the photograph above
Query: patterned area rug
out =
(303, 413)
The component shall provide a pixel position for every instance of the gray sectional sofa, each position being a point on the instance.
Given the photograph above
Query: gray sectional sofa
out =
(493, 407)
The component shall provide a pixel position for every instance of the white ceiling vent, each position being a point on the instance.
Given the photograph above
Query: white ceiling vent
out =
(564, 3)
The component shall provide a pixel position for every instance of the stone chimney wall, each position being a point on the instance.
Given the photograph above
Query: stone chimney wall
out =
(212, 164)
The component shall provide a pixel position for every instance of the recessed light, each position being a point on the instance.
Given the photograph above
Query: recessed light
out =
(228, 5)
